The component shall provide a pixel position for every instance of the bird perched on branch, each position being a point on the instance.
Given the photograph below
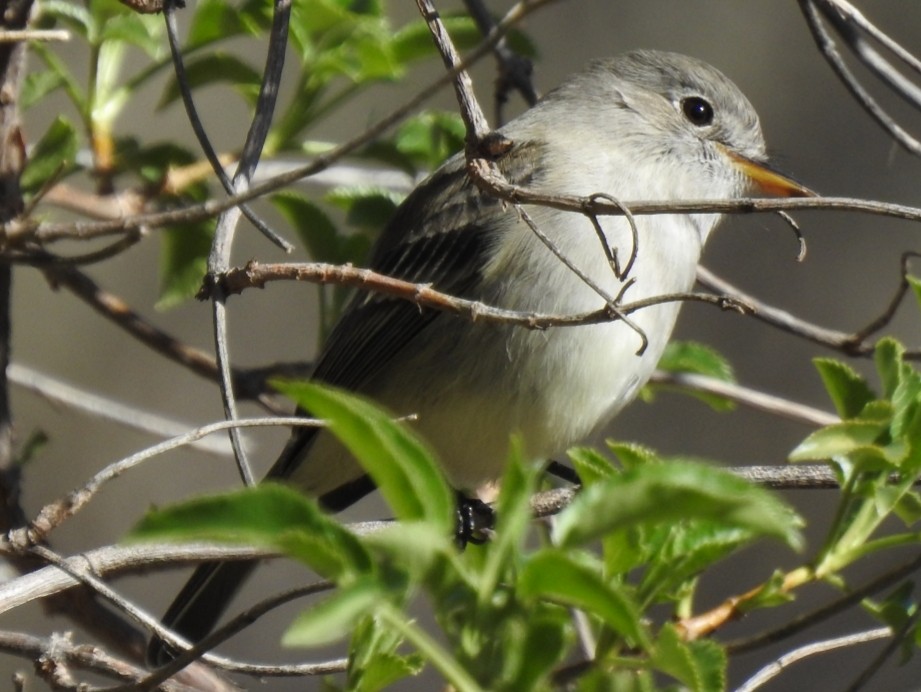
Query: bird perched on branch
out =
(642, 126)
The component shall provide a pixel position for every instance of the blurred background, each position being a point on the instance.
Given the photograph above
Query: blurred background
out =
(815, 131)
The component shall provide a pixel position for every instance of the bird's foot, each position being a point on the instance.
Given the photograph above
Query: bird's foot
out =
(475, 521)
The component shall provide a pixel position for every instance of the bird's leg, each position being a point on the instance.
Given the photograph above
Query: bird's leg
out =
(563, 472)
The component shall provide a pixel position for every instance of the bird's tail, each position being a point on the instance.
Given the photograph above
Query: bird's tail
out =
(197, 608)
(204, 598)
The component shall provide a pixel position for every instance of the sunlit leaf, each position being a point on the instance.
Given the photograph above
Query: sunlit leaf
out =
(267, 515)
(555, 575)
(334, 618)
(403, 468)
(848, 390)
(674, 491)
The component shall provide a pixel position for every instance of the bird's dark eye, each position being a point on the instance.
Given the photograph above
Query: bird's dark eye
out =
(697, 110)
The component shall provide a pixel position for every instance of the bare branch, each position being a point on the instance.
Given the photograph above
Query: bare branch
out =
(256, 274)
(746, 396)
(93, 404)
(772, 670)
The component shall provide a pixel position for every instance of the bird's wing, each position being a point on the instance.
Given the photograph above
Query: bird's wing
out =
(441, 235)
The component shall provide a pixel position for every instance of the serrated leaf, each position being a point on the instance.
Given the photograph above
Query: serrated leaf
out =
(690, 548)
(690, 356)
(554, 575)
(183, 262)
(334, 618)
(673, 491)
(402, 467)
(839, 439)
(701, 665)
(848, 390)
(205, 70)
(888, 360)
(590, 465)
(632, 455)
(386, 669)
(269, 515)
(53, 153)
(373, 660)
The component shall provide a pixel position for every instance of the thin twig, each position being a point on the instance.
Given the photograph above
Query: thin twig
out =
(256, 275)
(898, 639)
(44, 35)
(752, 398)
(54, 514)
(19, 230)
(198, 128)
(57, 391)
(775, 668)
(851, 344)
(828, 49)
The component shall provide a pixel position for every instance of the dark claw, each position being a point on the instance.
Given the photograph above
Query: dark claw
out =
(475, 521)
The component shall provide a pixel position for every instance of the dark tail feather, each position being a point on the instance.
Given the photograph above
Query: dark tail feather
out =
(207, 594)
(200, 604)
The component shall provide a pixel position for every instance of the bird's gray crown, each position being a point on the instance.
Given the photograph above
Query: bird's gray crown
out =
(654, 84)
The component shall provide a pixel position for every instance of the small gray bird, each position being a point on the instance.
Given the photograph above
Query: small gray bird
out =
(645, 125)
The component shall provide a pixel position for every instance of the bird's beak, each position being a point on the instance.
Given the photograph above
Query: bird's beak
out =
(766, 179)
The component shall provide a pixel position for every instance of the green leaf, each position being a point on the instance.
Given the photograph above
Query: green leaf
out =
(701, 665)
(74, 15)
(696, 359)
(590, 465)
(314, 227)
(217, 20)
(513, 513)
(554, 575)
(183, 262)
(268, 515)
(37, 85)
(888, 359)
(335, 617)
(53, 153)
(914, 283)
(688, 550)
(674, 491)
(373, 660)
(144, 32)
(632, 455)
(366, 208)
(848, 390)
(690, 356)
(429, 138)
(544, 647)
(402, 467)
(839, 439)
(216, 67)
(414, 40)
(417, 547)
